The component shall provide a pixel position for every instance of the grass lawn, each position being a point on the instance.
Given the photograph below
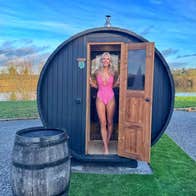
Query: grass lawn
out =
(18, 109)
(27, 109)
(185, 102)
(174, 173)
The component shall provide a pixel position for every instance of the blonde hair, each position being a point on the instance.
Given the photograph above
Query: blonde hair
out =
(111, 68)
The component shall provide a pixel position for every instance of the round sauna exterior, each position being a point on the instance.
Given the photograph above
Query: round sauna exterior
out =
(144, 100)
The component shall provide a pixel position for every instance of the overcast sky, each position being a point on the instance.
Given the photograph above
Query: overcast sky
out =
(32, 29)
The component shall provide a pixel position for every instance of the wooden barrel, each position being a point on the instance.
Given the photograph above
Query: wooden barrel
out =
(40, 162)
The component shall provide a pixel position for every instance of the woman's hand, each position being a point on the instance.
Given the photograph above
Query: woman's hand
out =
(92, 83)
(117, 83)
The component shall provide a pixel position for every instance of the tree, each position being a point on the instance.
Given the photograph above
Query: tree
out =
(26, 68)
(12, 70)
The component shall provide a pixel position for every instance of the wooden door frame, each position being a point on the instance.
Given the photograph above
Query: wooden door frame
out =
(88, 100)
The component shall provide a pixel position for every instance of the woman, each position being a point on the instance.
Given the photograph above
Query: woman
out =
(105, 101)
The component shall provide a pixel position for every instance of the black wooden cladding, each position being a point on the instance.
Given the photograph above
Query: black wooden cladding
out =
(62, 86)
(162, 108)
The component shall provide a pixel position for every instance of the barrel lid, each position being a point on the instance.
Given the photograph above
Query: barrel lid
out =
(40, 135)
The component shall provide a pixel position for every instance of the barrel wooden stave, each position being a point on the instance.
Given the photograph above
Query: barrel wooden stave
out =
(41, 182)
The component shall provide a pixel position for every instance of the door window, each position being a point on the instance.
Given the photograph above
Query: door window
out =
(136, 69)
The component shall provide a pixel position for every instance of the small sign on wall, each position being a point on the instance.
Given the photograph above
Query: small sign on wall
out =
(81, 62)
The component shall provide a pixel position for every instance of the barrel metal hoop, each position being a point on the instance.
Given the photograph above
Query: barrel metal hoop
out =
(64, 192)
(43, 143)
(40, 166)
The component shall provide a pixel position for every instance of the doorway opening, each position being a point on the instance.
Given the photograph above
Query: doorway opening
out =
(94, 144)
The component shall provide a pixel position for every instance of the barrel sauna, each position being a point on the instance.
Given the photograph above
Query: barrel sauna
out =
(66, 100)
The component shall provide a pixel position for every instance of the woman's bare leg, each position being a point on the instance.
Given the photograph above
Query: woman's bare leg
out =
(101, 111)
(110, 108)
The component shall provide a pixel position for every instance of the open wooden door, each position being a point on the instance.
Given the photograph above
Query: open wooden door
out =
(135, 109)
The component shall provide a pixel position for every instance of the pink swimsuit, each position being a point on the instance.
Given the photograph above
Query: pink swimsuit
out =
(105, 91)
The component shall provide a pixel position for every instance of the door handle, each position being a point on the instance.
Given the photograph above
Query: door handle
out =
(147, 99)
(78, 100)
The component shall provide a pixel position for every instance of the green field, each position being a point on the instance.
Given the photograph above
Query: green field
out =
(185, 102)
(174, 173)
(28, 109)
(18, 109)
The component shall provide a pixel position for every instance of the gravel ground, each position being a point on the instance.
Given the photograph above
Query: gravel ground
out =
(7, 134)
(182, 129)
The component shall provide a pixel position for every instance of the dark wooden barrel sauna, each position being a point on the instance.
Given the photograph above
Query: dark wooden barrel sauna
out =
(66, 101)
(40, 162)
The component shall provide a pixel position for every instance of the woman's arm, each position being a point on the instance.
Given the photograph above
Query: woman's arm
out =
(117, 83)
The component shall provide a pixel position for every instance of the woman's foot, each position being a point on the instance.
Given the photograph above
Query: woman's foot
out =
(108, 138)
(106, 152)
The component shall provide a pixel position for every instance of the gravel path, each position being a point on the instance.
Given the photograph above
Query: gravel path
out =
(182, 129)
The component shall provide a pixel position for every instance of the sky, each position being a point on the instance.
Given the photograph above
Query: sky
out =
(31, 30)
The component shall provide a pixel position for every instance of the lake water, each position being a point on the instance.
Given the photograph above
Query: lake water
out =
(186, 94)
